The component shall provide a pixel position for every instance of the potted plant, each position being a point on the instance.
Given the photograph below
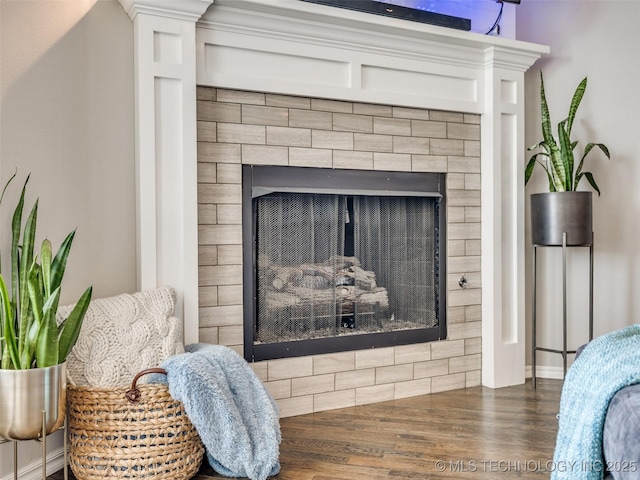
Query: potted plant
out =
(33, 347)
(563, 208)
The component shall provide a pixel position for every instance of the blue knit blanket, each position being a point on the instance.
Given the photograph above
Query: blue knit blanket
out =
(606, 365)
(235, 416)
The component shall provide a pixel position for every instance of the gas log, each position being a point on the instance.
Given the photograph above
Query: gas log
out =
(340, 281)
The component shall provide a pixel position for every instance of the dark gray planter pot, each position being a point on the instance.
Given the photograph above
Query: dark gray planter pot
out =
(555, 212)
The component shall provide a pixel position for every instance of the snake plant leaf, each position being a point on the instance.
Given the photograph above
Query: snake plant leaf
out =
(6, 185)
(557, 170)
(10, 357)
(579, 173)
(26, 360)
(531, 165)
(5, 361)
(46, 255)
(546, 119)
(549, 176)
(567, 155)
(26, 258)
(537, 145)
(59, 263)
(529, 170)
(16, 229)
(575, 103)
(601, 146)
(32, 329)
(591, 180)
(46, 353)
(604, 149)
(35, 287)
(72, 325)
(28, 353)
(544, 111)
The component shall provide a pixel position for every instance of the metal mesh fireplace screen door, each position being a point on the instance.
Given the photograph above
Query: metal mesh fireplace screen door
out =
(332, 265)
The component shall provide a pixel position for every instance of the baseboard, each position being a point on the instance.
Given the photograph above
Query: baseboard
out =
(556, 373)
(33, 471)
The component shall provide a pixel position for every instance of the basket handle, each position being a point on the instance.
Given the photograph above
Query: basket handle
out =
(133, 394)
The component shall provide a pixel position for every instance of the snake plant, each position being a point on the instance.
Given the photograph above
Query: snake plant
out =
(30, 336)
(558, 153)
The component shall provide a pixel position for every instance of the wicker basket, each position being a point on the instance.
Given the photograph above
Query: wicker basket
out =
(135, 433)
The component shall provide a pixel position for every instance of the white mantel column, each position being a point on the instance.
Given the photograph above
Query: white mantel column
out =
(166, 157)
(502, 199)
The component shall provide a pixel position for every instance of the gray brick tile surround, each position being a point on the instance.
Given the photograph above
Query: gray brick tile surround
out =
(235, 128)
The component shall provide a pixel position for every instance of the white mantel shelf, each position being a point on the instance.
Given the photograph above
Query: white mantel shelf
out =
(309, 49)
(324, 19)
(298, 48)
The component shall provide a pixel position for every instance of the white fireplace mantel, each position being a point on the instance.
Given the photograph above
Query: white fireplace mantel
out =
(298, 48)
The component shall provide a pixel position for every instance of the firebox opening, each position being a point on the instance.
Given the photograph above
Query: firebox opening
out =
(339, 260)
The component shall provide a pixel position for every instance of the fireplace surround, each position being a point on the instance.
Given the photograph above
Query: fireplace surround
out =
(348, 148)
(290, 48)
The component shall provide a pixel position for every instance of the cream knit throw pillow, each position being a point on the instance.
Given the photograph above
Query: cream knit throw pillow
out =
(123, 335)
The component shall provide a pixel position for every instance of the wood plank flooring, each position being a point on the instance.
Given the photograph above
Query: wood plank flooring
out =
(475, 433)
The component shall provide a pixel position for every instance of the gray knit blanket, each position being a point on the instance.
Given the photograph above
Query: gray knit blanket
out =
(235, 416)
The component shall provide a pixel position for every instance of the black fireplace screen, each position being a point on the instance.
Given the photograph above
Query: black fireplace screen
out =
(335, 264)
(343, 265)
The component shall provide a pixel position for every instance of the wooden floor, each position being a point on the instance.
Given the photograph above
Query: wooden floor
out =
(476, 433)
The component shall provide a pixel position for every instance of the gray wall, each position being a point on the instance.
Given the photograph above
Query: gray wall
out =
(66, 89)
(597, 39)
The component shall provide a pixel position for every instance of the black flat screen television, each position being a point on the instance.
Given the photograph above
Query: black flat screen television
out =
(380, 7)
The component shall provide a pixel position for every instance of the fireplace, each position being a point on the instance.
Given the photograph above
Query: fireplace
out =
(189, 215)
(340, 260)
